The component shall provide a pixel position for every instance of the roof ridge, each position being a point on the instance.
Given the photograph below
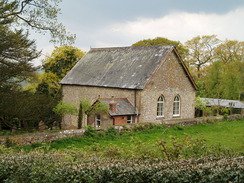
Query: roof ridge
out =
(113, 98)
(128, 47)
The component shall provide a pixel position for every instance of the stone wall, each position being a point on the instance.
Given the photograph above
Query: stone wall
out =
(195, 121)
(170, 80)
(28, 139)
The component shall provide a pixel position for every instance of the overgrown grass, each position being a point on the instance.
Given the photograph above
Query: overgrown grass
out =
(225, 134)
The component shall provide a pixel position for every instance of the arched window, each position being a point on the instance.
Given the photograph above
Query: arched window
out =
(176, 106)
(160, 106)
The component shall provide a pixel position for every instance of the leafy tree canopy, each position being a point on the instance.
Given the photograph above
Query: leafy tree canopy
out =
(201, 52)
(162, 41)
(39, 15)
(222, 67)
(230, 51)
(62, 60)
(64, 108)
(50, 83)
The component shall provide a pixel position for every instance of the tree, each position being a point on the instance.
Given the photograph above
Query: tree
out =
(25, 110)
(230, 51)
(224, 81)
(39, 15)
(201, 106)
(233, 81)
(64, 108)
(16, 52)
(213, 81)
(201, 52)
(162, 41)
(224, 78)
(56, 66)
(49, 85)
(62, 60)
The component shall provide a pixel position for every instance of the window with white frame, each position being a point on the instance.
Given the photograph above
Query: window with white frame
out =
(160, 106)
(129, 119)
(97, 121)
(176, 106)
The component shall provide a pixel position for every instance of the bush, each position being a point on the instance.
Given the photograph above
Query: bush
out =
(65, 108)
(9, 143)
(101, 133)
(111, 132)
(57, 168)
(6, 150)
(225, 117)
(90, 131)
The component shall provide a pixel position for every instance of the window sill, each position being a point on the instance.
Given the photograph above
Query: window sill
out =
(160, 117)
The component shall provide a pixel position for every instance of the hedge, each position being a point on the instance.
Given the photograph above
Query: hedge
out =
(38, 168)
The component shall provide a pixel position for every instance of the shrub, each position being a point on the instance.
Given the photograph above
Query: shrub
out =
(225, 117)
(65, 108)
(101, 133)
(144, 126)
(6, 150)
(90, 131)
(111, 132)
(112, 151)
(56, 168)
(188, 147)
(9, 143)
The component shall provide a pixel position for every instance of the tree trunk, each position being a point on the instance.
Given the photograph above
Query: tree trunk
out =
(80, 117)
(198, 71)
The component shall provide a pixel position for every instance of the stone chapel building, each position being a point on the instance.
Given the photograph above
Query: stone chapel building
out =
(139, 84)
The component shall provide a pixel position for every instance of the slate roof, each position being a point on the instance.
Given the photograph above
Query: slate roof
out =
(118, 67)
(123, 107)
(223, 102)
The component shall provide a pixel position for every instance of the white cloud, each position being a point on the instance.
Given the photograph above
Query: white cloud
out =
(46, 51)
(180, 26)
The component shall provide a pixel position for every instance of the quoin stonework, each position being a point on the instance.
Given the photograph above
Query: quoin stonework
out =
(138, 84)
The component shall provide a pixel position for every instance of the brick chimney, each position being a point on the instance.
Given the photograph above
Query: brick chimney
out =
(112, 105)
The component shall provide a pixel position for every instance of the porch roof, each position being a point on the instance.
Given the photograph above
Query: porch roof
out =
(123, 106)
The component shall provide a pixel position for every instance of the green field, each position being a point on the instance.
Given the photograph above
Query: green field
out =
(227, 135)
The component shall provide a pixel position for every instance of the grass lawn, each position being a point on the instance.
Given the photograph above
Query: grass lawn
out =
(227, 134)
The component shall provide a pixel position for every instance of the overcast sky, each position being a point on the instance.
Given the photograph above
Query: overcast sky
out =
(108, 23)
